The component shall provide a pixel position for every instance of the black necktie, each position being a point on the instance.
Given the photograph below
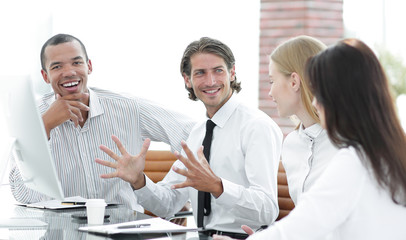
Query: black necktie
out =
(203, 198)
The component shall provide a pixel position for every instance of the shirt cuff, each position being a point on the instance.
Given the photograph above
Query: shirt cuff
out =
(146, 191)
(230, 196)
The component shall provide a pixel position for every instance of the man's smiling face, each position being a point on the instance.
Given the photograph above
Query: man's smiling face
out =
(66, 68)
(210, 80)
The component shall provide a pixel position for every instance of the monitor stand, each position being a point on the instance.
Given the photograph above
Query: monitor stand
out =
(11, 149)
(4, 161)
(14, 222)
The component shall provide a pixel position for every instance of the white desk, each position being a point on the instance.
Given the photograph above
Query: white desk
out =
(62, 226)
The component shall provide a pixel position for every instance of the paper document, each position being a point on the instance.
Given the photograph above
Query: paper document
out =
(21, 223)
(151, 225)
(70, 202)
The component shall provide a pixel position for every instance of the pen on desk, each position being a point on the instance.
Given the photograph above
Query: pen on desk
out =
(134, 226)
(263, 227)
(73, 203)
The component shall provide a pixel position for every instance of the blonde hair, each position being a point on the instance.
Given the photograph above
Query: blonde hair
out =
(291, 56)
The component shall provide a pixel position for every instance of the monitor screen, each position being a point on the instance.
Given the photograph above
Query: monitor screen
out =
(27, 137)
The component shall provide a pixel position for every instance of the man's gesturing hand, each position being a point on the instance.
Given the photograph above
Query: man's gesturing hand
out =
(198, 173)
(129, 168)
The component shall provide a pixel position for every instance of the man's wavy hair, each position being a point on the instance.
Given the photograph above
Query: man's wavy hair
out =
(208, 45)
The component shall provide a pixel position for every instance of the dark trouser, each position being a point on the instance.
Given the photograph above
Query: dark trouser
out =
(230, 234)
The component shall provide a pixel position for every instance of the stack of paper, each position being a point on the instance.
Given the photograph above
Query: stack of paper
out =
(69, 202)
(151, 225)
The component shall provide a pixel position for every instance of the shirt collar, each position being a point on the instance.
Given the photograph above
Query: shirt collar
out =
(312, 132)
(224, 113)
(96, 108)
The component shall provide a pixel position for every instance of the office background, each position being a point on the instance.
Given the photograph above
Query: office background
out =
(136, 46)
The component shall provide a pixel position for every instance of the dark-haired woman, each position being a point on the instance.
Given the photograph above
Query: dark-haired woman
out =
(362, 193)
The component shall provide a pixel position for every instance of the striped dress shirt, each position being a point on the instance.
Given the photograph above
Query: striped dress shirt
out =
(75, 149)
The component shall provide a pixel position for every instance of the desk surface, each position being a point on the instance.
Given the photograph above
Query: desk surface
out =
(61, 225)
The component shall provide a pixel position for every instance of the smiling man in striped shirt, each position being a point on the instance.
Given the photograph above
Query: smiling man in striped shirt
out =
(78, 119)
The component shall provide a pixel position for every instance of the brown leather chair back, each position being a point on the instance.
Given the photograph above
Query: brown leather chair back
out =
(285, 202)
(158, 163)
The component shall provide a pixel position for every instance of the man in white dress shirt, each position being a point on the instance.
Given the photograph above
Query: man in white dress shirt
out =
(78, 119)
(246, 145)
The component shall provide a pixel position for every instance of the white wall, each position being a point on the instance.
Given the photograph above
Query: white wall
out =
(379, 23)
(135, 46)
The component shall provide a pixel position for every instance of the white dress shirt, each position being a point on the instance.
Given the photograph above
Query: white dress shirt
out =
(75, 149)
(306, 153)
(245, 153)
(347, 202)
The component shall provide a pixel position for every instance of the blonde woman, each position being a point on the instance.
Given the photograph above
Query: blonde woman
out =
(307, 150)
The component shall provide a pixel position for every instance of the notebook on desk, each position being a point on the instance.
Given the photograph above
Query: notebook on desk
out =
(70, 202)
(145, 226)
(21, 223)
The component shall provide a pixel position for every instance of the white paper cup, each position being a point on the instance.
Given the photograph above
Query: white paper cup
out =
(95, 211)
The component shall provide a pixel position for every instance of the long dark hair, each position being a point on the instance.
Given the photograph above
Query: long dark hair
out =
(350, 83)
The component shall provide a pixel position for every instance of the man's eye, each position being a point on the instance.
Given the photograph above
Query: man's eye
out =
(55, 67)
(78, 63)
(219, 70)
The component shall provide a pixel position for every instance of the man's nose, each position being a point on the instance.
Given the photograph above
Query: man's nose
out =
(69, 71)
(211, 79)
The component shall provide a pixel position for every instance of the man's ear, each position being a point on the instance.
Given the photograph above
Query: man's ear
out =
(296, 81)
(187, 80)
(89, 66)
(232, 74)
(45, 76)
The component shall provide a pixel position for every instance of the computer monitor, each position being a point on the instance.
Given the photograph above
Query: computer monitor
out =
(27, 137)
